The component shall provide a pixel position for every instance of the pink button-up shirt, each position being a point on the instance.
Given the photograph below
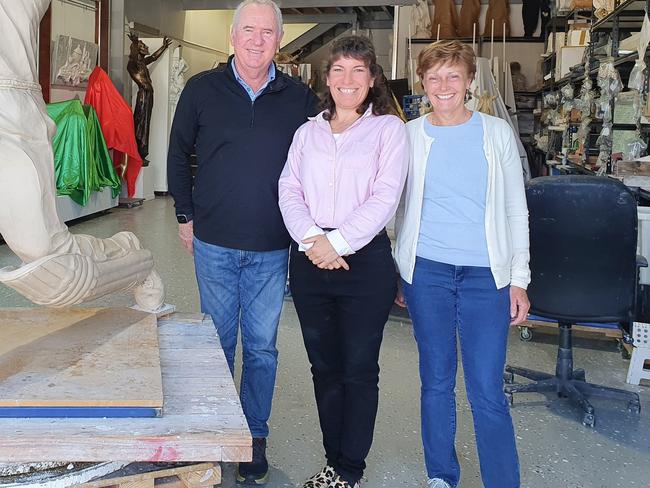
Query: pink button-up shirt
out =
(351, 184)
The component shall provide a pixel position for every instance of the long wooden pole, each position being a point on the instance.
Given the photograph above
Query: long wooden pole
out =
(411, 62)
(474, 37)
(504, 50)
(492, 43)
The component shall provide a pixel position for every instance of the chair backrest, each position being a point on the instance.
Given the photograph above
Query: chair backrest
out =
(583, 233)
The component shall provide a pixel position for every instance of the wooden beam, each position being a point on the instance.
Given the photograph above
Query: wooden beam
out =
(102, 31)
(44, 61)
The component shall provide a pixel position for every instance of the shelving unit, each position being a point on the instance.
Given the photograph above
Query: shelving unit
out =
(627, 16)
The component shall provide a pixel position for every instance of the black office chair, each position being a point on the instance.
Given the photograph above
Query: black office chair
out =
(583, 233)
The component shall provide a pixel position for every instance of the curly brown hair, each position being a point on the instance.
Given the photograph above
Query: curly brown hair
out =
(360, 48)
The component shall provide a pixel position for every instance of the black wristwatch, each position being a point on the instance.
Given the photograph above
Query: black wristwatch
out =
(184, 218)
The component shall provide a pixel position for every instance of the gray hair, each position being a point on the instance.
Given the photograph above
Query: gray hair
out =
(268, 3)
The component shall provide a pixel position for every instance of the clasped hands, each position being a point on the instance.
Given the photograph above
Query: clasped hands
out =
(323, 254)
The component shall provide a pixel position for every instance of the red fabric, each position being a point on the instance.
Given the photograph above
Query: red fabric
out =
(116, 118)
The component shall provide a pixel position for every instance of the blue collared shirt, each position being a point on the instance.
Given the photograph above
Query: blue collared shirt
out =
(252, 94)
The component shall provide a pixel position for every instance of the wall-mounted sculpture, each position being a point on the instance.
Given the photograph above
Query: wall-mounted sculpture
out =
(139, 59)
(59, 268)
(445, 19)
(497, 15)
(470, 11)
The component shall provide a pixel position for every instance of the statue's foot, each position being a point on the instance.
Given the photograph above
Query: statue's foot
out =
(150, 295)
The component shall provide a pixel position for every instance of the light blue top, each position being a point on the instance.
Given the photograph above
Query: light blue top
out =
(254, 94)
(452, 228)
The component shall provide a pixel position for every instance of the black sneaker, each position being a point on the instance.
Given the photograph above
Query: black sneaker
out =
(257, 471)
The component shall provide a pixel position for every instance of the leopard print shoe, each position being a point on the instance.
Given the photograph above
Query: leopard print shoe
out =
(321, 479)
(339, 482)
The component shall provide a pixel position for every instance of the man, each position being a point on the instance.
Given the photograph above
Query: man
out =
(240, 120)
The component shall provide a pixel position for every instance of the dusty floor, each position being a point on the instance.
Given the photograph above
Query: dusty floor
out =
(555, 449)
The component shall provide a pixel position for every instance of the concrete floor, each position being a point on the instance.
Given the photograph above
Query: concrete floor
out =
(555, 449)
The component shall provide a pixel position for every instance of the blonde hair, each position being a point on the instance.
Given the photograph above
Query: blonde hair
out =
(446, 52)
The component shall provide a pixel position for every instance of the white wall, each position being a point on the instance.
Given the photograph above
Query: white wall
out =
(78, 22)
(167, 16)
(209, 28)
(293, 31)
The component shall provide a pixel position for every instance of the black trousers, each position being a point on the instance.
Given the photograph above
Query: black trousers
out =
(342, 316)
(530, 15)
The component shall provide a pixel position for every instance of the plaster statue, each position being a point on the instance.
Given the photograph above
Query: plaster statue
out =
(59, 268)
(177, 80)
(139, 59)
(421, 18)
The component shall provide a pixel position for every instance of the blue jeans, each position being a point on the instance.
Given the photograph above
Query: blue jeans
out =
(245, 288)
(443, 300)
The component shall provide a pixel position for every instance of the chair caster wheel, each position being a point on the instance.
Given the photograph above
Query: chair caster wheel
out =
(510, 398)
(625, 354)
(588, 420)
(525, 334)
(508, 378)
(579, 375)
(634, 407)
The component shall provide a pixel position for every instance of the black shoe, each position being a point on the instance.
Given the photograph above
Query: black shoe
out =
(257, 471)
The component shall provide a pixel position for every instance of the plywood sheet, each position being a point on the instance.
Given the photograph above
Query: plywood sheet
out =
(79, 357)
(202, 417)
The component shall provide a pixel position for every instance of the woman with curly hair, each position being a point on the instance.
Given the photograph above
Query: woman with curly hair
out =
(341, 185)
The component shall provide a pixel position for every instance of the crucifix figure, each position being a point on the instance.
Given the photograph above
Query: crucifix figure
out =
(139, 59)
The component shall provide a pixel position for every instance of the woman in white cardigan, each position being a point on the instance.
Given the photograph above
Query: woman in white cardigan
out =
(462, 253)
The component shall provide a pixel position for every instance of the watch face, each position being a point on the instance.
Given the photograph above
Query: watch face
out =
(182, 219)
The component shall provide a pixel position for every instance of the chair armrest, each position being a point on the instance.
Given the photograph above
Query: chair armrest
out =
(641, 262)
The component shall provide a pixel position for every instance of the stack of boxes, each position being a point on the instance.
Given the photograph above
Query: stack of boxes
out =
(411, 106)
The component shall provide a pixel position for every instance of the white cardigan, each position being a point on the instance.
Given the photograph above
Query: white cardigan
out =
(506, 212)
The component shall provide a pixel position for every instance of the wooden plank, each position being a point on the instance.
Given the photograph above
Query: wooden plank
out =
(607, 332)
(79, 358)
(148, 483)
(195, 473)
(202, 419)
(203, 478)
(102, 31)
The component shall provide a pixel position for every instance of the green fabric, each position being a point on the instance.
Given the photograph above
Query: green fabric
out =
(82, 163)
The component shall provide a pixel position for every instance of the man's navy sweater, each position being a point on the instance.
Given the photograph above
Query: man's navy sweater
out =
(241, 148)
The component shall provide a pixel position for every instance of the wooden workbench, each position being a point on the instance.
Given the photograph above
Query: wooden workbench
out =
(202, 418)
